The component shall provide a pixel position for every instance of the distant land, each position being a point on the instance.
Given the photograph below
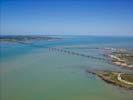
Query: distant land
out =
(25, 38)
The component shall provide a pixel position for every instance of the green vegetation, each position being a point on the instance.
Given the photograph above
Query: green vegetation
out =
(126, 56)
(127, 77)
(24, 38)
(112, 77)
(124, 59)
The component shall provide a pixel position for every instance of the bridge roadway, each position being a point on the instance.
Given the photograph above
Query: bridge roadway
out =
(75, 53)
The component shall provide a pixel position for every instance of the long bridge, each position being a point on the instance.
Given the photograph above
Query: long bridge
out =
(65, 51)
(76, 53)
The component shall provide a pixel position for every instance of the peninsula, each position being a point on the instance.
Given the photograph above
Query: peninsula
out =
(116, 78)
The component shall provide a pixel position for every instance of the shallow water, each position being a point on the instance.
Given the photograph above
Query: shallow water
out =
(32, 73)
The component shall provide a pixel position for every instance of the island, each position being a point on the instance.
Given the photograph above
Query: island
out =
(25, 38)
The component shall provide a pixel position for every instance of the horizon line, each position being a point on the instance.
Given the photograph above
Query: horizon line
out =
(65, 35)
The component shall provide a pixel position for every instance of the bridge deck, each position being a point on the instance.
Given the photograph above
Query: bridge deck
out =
(75, 53)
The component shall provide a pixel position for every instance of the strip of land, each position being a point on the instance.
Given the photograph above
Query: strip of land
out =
(123, 80)
(121, 57)
(25, 38)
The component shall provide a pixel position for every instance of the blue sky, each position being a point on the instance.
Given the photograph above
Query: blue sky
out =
(67, 17)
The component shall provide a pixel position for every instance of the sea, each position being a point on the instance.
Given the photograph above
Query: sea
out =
(35, 72)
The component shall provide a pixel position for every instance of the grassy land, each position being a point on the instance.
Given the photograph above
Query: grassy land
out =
(127, 77)
(126, 56)
(111, 77)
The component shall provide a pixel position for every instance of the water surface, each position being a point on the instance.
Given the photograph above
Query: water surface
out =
(30, 72)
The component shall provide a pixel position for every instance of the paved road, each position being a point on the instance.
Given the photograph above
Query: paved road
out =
(124, 81)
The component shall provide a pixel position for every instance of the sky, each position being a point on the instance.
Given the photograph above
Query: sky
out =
(66, 17)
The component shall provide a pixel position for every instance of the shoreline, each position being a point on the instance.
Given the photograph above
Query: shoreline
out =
(120, 57)
(112, 78)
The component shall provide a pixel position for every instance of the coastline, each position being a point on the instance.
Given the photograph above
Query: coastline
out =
(113, 78)
(120, 57)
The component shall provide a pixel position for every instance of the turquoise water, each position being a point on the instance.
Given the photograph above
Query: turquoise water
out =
(32, 72)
